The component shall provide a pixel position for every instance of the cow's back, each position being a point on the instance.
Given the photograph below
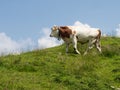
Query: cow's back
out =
(84, 32)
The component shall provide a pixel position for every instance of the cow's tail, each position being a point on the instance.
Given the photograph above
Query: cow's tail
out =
(99, 34)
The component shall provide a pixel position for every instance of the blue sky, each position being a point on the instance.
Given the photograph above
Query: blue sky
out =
(27, 20)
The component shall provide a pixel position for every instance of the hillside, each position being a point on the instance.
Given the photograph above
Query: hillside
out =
(53, 69)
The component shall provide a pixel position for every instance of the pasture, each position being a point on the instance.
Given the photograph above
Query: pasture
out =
(53, 69)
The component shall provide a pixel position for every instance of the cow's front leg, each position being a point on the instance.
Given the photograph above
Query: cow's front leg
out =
(75, 44)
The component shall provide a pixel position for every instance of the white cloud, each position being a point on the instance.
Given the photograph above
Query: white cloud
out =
(118, 31)
(46, 41)
(84, 26)
(77, 23)
(8, 46)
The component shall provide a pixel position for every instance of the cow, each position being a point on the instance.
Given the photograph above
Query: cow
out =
(74, 34)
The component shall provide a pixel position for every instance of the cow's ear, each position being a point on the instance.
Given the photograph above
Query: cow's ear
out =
(55, 26)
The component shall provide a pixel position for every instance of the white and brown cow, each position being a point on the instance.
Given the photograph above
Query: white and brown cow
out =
(74, 34)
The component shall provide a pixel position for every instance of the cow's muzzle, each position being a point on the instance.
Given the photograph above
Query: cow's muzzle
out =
(51, 35)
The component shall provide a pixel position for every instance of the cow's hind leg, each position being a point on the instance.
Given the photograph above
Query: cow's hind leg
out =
(90, 45)
(98, 46)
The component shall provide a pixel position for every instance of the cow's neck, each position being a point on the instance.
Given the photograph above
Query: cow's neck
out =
(59, 36)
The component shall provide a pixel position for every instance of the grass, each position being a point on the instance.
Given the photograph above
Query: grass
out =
(52, 69)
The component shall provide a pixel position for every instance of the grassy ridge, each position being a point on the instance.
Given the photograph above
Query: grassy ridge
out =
(52, 69)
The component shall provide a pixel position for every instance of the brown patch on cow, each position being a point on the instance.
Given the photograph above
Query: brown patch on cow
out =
(99, 34)
(64, 32)
(64, 27)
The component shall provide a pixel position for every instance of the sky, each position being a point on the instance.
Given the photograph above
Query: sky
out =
(25, 24)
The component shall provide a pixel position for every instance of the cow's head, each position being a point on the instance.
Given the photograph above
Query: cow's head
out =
(55, 32)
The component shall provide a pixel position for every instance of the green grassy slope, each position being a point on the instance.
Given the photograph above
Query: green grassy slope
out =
(53, 69)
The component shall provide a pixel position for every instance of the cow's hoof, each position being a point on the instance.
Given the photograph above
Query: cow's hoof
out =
(85, 54)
